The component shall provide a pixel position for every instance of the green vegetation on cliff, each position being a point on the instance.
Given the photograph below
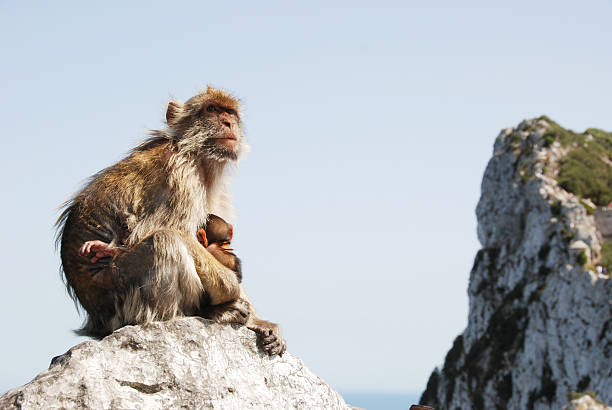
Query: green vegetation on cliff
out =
(585, 170)
(606, 255)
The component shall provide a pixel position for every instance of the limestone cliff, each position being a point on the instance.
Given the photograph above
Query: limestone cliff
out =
(186, 363)
(540, 316)
(585, 402)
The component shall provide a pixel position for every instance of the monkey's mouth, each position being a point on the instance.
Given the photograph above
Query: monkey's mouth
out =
(229, 141)
(227, 135)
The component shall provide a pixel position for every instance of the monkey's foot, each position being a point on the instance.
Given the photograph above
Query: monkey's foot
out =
(99, 249)
(237, 311)
(270, 336)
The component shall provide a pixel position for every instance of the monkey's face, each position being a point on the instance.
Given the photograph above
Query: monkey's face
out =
(225, 123)
(208, 124)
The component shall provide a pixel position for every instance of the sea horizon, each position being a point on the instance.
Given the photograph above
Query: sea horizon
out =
(373, 400)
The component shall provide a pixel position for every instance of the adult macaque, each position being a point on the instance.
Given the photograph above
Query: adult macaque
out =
(128, 240)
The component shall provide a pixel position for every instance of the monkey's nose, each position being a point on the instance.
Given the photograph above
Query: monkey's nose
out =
(227, 124)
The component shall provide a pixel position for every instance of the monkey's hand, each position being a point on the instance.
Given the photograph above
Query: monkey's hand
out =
(224, 254)
(236, 311)
(270, 336)
(99, 249)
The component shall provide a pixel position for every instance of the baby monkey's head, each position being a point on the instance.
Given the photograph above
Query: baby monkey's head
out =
(218, 231)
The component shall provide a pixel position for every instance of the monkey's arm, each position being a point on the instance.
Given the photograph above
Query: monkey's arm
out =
(220, 283)
(270, 333)
(222, 252)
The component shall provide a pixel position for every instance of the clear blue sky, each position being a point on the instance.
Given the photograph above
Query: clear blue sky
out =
(371, 124)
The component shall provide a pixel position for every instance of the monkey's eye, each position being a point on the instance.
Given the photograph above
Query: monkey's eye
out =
(211, 108)
(230, 111)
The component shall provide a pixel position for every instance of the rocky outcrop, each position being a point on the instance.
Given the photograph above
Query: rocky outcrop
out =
(540, 319)
(184, 363)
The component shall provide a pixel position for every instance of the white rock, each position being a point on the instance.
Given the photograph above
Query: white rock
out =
(184, 363)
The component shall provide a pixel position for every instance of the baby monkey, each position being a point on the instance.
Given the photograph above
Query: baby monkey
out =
(216, 237)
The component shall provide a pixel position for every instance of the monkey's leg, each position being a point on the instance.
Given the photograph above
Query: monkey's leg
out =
(270, 333)
(237, 311)
(155, 279)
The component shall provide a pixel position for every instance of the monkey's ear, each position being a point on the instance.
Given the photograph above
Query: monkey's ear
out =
(174, 111)
(230, 232)
(201, 234)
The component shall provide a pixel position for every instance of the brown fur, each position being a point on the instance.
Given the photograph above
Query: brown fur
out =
(145, 210)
